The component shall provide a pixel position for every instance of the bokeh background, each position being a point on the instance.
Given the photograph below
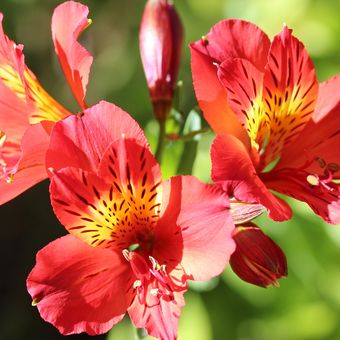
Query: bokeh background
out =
(307, 305)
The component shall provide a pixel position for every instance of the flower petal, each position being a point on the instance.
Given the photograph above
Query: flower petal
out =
(30, 167)
(12, 63)
(290, 92)
(68, 21)
(328, 98)
(80, 142)
(78, 288)
(212, 98)
(195, 228)
(243, 83)
(229, 39)
(322, 196)
(314, 150)
(21, 81)
(233, 169)
(116, 208)
(161, 320)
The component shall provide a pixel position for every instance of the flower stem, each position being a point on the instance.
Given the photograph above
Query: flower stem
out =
(161, 141)
(140, 333)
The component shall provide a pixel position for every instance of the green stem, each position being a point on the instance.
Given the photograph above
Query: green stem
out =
(140, 333)
(161, 141)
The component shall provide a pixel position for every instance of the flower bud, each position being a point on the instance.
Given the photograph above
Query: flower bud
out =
(160, 40)
(257, 258)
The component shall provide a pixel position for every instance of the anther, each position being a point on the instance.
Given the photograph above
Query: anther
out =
(204, 40)
(137, 283)
(154, 292)
(333, 167)
(313, 180)
(10, 178)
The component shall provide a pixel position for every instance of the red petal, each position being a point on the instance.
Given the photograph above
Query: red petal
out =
(233, 169)
(68, 21)
(324, 199)
(212, 98)
(315, 150)
(243, 83)
(161, 320)
(80, 142)
(290, 92)
(12, 62)
(229, 39)
(117, 208)
(195, 228)
(78, 288)
(30, 168)
(328, 98)
(77, 199)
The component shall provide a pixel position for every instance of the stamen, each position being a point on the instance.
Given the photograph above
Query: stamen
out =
(155, 264)
(10, 178)
(155, 291)
(137, 284)
(313, 180)
(2, 138)
(126, 254)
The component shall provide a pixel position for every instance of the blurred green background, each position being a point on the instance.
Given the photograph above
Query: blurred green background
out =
(307, 305)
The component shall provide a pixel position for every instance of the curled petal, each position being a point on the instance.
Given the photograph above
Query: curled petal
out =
(68, 21)
(81, 141)
(195, 228)
(229, 39)
(232, 168)
(78, 288)
(212, 98)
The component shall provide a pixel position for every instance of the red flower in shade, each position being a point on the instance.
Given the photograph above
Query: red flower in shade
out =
(257, 258)
(27, 112)
(134, 240)
(161, 38)
(264, 101)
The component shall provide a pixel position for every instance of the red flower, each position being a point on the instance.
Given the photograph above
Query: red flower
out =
(134, 239)
(257, 258)
(161, 38)
(27, 112)
(278, 129)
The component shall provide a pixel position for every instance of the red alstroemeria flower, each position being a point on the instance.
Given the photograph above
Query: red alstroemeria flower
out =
(264, 101)
(27, 112)
(134, 240)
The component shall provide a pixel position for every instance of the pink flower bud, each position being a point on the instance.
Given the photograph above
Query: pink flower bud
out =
(160, 39)
(257, 258)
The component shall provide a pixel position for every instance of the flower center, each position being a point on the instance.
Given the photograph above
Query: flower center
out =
(152, 280)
